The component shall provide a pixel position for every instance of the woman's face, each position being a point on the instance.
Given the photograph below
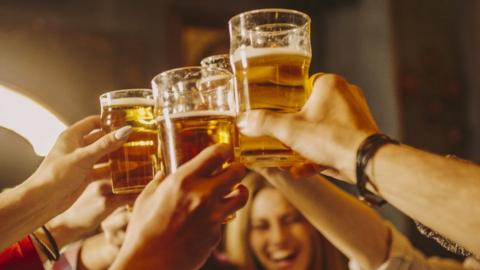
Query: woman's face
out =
(279, 235)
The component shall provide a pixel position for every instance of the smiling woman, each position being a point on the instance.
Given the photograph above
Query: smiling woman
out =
(29, 119)
(269, 233)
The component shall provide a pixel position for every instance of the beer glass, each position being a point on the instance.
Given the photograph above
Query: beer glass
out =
(195, 108)
(217, 61)
(134, 164)
(270, 55)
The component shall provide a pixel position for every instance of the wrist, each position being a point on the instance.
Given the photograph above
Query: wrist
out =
(39, 250)
(44, 242)
(62, 232)
(344, 148)
(365, 155)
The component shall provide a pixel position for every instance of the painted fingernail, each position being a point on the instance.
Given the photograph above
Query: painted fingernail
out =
(123, 132)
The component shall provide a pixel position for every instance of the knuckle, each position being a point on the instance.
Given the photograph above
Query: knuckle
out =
(288, 133)
(100, 189)
(107, 225)
(335, 81)
(103, 202)
(97, 190)
(260, 122)
(104, 187)
(262, 116)
(64, 134)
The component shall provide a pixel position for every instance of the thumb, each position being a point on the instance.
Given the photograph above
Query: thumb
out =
(104, 145)
(282, 126)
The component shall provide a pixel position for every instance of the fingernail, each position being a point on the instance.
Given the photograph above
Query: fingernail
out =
(123, 132)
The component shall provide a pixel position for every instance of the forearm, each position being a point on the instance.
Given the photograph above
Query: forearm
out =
(60, 233)
(351, 226)
(439, 192)
(23, 209)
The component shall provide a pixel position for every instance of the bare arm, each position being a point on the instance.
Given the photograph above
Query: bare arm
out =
(441, 193)
(354, 228)
(23, 209)
(59, 180)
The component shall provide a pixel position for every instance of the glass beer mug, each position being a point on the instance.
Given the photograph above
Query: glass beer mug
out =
(134, 164)
(270, 55)
(195, 108)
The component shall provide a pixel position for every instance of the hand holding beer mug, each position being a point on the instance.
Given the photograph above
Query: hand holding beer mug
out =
(194, 109)
(270, 53)
(135, 163)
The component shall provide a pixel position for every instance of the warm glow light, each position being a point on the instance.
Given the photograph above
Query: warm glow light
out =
(29, 119)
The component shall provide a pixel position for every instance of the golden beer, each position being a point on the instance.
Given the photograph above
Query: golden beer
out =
(135, 163)
(186, 134)
(272, 79)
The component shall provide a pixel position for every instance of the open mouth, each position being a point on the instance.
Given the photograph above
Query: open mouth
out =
(283, 258)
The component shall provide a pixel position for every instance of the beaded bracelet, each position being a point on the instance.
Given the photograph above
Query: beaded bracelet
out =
(365, 152)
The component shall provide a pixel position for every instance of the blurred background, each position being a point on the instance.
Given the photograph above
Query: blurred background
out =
(415, 60)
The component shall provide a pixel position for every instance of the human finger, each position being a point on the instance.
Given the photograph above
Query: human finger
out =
(104, 145)
(223, 182)
(208, 161)
(117, 238)
(232, 203)
(283, 126)
(311, 81)
(117, 220)
(362, 102)
(83, 127)
(326, 89)
(116, 200)
(305, 170)
(93, 136)
(100, 171)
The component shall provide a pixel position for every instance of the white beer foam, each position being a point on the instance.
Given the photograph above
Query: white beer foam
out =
(131, 102)
(249, 52)
(197, 114)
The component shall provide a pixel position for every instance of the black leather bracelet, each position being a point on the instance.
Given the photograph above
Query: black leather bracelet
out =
(365, 152)
(45, 249)
(53, 243)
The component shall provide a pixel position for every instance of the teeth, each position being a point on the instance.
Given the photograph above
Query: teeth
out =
(281, 254)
